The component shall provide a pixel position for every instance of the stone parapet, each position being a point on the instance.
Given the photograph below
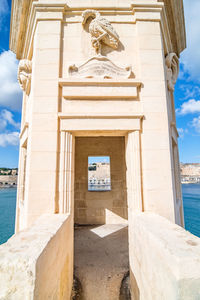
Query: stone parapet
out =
(164, 259)
(37, 263)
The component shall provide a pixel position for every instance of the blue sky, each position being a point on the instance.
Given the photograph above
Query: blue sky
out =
(96, 159)
(187, 91)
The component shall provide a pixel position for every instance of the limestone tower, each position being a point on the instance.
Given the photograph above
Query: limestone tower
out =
(98, 80)
(98, 73)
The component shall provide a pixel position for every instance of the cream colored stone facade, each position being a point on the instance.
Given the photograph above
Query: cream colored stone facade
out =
(101, 71)
(123, 90)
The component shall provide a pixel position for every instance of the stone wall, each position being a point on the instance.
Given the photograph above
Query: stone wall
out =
(164, 259)
(100, 207)
(37, 263)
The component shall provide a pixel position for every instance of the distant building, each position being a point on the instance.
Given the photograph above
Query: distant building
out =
(190, 173)
(8, 181)
(14, 172)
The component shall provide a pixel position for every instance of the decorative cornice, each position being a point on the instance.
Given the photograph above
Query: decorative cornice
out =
(176, 21)
(26, 13)
(98, 89)
(19, 17)
(24, 16)
(75, 116)
(173, 9)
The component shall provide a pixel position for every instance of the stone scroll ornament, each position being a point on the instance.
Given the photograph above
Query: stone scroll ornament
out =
(172, 66)
(102, 33)
(24, 74)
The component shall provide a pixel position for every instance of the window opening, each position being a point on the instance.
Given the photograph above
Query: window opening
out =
(99, 173)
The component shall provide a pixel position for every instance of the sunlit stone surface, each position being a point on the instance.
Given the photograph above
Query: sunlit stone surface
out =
(98, 80)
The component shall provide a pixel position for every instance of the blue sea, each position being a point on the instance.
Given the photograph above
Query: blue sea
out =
(191, 202)
(7, 213)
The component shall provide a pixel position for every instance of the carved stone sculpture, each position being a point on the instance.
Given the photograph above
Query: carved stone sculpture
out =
(24, 74)
(101, 30)
(172, 66)
(100, 67)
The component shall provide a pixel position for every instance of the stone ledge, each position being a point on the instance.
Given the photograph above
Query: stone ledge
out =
(106, 89)
(167, 255)
(25, 258)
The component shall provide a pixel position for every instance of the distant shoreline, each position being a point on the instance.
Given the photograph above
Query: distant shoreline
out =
(8, 187)
(190, 183)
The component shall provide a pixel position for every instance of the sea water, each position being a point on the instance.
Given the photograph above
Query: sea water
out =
(191, 203)
(7, 213)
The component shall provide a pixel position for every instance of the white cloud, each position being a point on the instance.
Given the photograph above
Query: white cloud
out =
(182, 132)
(7, 139)
(11, 95)
(189, 107)
(190, 91)
(191, 56)
(6, 117)
(196, 124)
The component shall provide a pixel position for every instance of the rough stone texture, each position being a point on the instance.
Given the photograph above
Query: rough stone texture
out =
(164, 259)
(101, 260)
(100, 207)
(37, 263)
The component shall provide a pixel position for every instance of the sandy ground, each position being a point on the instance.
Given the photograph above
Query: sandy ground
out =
(101, 260)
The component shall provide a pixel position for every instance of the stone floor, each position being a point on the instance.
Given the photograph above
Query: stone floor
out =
(101, 260)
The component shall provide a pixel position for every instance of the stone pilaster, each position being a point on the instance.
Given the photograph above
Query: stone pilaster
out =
(66, 182)
(133, 165)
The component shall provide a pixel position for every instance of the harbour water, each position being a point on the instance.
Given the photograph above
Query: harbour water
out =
(191, 202)
(7, 213)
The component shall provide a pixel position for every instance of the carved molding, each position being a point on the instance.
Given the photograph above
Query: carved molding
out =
(172, 68)
(24, 74)
(109, 123)
(100, 67)
(102, 32)
(100, 29)
(100, 89)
